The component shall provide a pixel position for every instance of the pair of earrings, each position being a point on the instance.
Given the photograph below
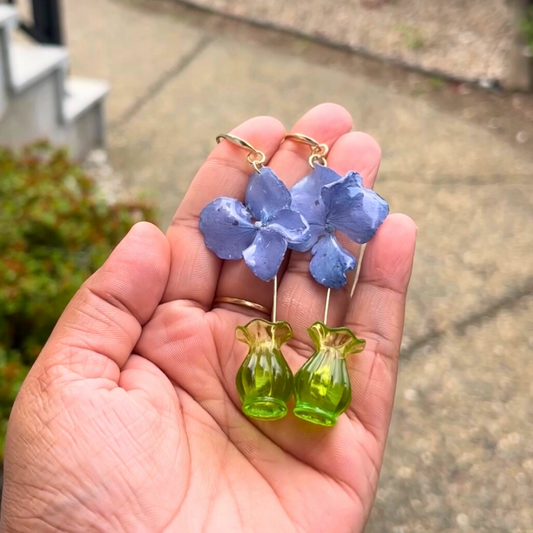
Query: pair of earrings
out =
(260, 231)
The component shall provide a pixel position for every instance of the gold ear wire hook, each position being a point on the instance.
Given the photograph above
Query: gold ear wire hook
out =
(255, 157)
(319, 151)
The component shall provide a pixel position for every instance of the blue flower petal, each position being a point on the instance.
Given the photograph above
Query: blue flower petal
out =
(227, 227)
(266, 195)
(330, 262)
(356, 177)
(306, 199)
(266, 253)
(306, 194)
(351, 208)
(315, 232)
(291, 225)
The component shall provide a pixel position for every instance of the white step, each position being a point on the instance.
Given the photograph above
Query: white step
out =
(3, 82)
(32, 114)
(8, 20)
(30, 64)
(81, 95)
(84, 116)
(38, 102)
(8, 16)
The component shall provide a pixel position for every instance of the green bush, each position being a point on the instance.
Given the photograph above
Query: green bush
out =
(55, 231)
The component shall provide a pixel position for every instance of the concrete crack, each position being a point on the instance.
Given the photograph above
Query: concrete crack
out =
(161, 82)
(459, 328)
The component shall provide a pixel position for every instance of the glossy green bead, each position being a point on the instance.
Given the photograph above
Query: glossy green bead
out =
(322, 386)
(264, 380)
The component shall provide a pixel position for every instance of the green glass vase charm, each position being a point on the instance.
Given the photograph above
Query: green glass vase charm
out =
(322, 386)
(264, 380)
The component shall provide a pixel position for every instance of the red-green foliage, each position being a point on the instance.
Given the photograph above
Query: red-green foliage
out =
(55, 231)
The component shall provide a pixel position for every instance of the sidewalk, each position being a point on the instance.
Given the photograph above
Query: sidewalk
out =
(474, 40)
(459, 455)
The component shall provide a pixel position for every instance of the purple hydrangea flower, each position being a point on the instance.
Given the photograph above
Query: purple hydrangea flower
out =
(329, 203)
(258, 231)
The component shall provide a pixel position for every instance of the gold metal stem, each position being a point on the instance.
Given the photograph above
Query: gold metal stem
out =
(275, 302)
(358, 270)
(326, 310)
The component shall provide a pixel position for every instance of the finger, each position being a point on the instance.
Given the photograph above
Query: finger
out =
(325, 123)
(376, 314)
(195, 269)
(301, 299)
(101, 325)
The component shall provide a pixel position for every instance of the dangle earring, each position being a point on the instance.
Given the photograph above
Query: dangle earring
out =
(258, 231)
(330, 203)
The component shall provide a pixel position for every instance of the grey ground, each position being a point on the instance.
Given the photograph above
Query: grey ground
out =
(468, 40)
(458, 161)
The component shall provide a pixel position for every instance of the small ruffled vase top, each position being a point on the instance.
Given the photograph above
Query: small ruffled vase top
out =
(264, 380)
(322, 385)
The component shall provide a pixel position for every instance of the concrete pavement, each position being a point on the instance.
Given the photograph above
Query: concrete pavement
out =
(459, 456)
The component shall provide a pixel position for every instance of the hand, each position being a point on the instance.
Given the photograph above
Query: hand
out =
(130, 420)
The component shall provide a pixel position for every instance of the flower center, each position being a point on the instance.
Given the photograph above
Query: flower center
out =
(329, 228)
(258, 224)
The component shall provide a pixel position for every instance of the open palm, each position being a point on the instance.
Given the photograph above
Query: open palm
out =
(130, 420)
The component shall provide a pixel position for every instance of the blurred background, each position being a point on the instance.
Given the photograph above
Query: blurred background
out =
(442, 86)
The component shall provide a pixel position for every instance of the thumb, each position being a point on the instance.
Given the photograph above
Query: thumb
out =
(102, 323)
